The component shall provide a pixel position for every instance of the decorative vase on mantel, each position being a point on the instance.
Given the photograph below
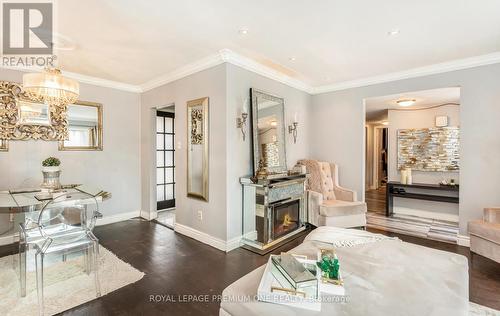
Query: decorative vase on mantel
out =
(51, 172)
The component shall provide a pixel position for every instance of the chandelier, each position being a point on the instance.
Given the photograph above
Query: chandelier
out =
(50, 87)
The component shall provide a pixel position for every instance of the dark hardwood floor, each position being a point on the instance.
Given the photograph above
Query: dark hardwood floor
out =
(177, 265)
(375, 200)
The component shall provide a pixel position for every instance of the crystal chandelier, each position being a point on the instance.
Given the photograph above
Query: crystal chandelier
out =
(50, 87)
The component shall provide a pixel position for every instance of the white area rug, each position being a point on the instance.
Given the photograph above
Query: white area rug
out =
(66, 284)
(480, 310)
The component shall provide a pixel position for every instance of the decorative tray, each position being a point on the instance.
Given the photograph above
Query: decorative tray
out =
(275, 288)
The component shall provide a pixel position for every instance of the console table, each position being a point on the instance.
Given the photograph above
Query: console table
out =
(397, 189)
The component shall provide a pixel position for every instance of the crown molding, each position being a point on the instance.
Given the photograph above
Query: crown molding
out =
(228, 56)
(251, 65)
(103, 82)
(453, 65)
(225, 56)
(179, 73)
(85, 79)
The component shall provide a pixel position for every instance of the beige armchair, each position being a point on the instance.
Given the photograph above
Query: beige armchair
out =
(485, 234)
(328, 203)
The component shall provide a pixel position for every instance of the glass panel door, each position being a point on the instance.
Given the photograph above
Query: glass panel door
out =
(165, 164)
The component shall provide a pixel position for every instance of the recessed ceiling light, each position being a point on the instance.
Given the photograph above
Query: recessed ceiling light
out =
(406, 102)
(393, 32)
(292, 59)
(243, 31)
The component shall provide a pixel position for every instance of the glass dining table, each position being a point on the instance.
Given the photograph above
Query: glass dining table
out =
(20, 204)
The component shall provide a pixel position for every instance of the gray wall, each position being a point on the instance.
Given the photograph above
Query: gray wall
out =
(239, 158)
(230, 157)
(208, 83)
(115, 169)
(338, 132)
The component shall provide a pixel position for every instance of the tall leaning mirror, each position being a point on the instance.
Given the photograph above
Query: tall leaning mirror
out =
(84, 127)
(197, 149)
(268, 127)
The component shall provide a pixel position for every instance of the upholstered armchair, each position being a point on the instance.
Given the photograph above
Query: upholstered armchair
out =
(328, 203)
(485, 234)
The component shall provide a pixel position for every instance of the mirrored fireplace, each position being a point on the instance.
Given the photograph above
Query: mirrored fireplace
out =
(273, 211)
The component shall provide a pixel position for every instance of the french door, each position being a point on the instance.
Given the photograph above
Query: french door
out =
(165, 164)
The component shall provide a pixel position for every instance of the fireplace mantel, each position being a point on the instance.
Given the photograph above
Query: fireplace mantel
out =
(274, 211)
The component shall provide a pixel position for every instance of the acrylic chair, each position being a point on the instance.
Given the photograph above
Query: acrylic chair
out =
(30, 235)
(64, 226)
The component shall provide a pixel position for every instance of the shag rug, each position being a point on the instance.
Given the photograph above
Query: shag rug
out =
(66, 285)
(480, 310)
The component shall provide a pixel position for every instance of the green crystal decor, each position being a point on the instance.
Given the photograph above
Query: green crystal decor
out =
(329, 267)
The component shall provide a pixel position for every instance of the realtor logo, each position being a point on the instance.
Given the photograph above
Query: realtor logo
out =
(27, 28)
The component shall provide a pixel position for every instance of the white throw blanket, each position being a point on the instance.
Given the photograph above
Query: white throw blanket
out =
(341, 237)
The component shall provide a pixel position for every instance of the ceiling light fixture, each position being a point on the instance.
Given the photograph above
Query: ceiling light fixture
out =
(292, 59)
(393, 32)
(51, 87)
(385, 123)
(243, 31)
(406, 102)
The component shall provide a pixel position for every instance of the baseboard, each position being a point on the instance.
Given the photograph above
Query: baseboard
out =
(149, 215)
(463, 240)
(206, 238)
(117, 218)
(233, 243)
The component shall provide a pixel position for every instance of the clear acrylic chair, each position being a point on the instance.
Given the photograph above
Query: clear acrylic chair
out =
(65, 226)
(29, 235)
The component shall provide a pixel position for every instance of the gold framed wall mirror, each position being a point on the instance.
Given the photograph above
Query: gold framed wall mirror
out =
(197, 148)
(85, 125)
(23, 119)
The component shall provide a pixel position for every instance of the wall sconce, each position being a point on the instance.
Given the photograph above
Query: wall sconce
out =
(241, 123)
(292, 129)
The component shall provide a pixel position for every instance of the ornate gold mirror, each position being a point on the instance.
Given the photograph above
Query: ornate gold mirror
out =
(197, 148)
(84, 127)
(23, 119)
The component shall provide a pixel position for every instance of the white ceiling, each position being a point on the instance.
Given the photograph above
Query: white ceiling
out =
(332, 41)
(376, 108)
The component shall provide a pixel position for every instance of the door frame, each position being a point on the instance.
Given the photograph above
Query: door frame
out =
(377, 146)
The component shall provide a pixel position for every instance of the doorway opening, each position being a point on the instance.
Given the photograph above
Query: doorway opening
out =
(412, 162)
(376, 166)
(165, 165)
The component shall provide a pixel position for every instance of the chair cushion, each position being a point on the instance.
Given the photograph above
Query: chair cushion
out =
(485, 230)
(340, 208)
(327, 181)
